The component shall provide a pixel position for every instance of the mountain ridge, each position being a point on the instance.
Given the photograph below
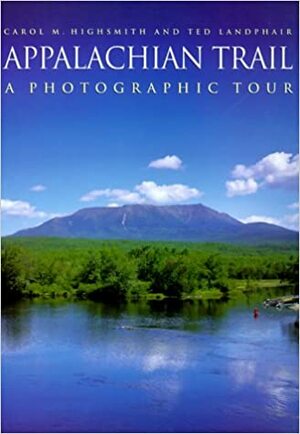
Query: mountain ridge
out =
(166, 223)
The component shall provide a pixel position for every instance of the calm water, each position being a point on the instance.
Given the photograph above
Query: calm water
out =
(149, 367)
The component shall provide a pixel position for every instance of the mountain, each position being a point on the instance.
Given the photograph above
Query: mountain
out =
(149, 222)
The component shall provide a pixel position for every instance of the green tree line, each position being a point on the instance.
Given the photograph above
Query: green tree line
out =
(114, 272)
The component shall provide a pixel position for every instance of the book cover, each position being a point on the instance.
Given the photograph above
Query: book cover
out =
(150, 216)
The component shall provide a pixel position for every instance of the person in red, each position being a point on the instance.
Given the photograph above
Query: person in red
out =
(255, 312)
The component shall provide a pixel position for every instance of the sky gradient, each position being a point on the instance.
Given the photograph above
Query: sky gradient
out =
(62, 152)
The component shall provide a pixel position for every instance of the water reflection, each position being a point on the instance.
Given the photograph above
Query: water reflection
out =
(16, 327)
(163, 355)
(291, 329)
(243, 371)
(149, 367)
(279, 387)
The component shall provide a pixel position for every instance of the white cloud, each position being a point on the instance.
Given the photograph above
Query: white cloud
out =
(38, 188)
(20, 208)
(146, 192)
(113, 205)
(289, 221)
(168, 162)
(294, 205)
(93, 195)
(241, 171)
(279, 169)
(124, 196)
(159, 194)
(260, 219)
(241, 187)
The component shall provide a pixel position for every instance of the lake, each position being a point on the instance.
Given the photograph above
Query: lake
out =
(165, 366)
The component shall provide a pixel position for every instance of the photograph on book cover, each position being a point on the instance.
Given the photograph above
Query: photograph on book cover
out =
(149, 216)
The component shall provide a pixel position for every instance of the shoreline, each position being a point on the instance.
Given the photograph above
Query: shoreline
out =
(239, 287)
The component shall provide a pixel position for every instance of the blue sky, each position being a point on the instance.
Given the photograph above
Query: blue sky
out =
(65, 152)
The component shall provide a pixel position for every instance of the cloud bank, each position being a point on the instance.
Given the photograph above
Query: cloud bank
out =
(20, 208)
(148, 192)
(277, 170)
(290, 221)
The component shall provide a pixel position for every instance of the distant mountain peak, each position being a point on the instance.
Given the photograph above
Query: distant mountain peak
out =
(195, 222)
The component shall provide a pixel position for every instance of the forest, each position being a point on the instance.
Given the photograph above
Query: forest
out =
(115, 270)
